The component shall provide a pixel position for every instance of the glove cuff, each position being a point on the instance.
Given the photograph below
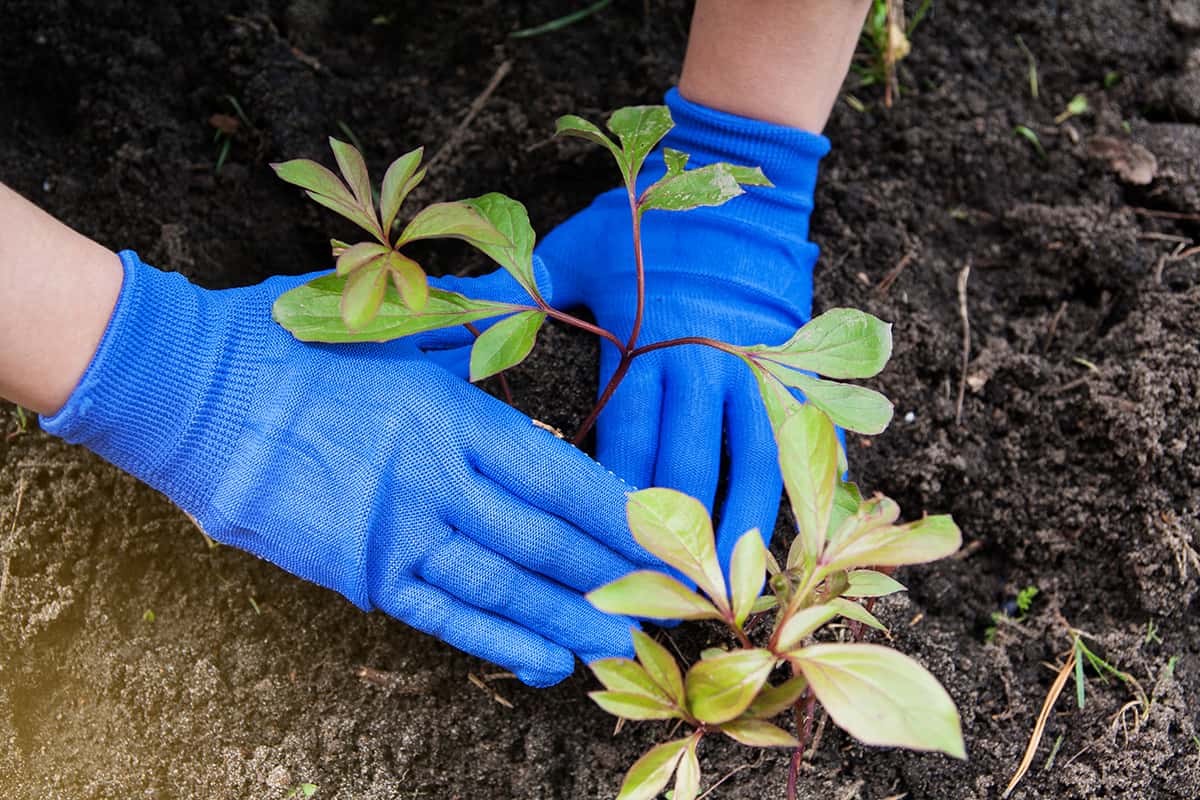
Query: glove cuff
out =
(788, 156)
(147, 403)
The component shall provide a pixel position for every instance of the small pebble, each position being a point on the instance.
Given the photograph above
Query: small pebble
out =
(910, 417)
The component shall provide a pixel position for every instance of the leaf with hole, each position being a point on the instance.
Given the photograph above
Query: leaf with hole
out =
(882, 697)
(639, 129)
(652, 595)
(312, 313)
(650, 773)
(841, 343)
(677, 529)
(505, 344)
(722, 687)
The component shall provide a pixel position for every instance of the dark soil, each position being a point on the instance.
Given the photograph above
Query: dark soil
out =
(1075, 467)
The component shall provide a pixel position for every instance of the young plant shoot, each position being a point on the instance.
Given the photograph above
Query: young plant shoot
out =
(876, 694)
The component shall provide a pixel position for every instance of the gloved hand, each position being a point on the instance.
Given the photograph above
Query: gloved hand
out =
(363, 468)
(741, 273)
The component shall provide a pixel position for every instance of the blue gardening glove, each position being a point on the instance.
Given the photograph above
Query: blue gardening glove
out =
(363, 468)
(741, 273)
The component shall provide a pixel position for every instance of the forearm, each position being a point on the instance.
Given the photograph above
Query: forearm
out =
(780, 61)
(57, 291)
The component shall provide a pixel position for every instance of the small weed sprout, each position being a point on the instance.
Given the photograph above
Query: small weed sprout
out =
(227, 128)
(845, 547)
(886, 39)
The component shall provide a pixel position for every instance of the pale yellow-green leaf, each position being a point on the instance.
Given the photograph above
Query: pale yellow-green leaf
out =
(631, 705)
(746, 570)
(841, 343)
(757, 733)
(652, 595)
(764, 602)
(808, 455)
(720, 688)
(882, 697)
(626, 675)
(802, 624)
(660, 666)
(855, 408)
(855, 611)
(846, 501)
(917, 542)
(869, 583)
(774, 700)
(650, 773)
(687, 776)
(677, 529)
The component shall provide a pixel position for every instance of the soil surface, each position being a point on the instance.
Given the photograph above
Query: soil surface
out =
(136, 661)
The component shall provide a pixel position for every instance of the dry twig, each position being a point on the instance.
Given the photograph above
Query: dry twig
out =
(1039, 728)
(476, 106)
(12, 530)
(966, 346)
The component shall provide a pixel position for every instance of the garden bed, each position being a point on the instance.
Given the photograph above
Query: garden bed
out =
(136, 661)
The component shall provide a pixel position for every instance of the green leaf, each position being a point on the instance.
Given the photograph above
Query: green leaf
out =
(722, 687)
(505, 344)
(841, 343)
(882, 697)
(628, 676)
(631, 705)
(453, 221)
(855, 611)
(351, 212)
(687, 776)
(400, 179)
(802, 624)
(709, 652)
(808, 456)
(315, 178)
(652, 595)
(869, 583)
(312, 313)
(660, 666)
(677, 529)
(780, 403)
(410, 281)
(675, 161)
(580, 128)
(764, 602)
(876, 512)
(354, 170)
(650, 773)
(757, 733)
(746, 571)
(359, 255)
(846, 500)
(510, 218)
(363, 295)
(855, 408)
(748, 176)
(711, 185)
(917, 542)
(639, 128)
(774, 700)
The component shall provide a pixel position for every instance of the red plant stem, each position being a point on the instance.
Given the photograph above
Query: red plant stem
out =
(618, 374)
(714, 343)
(576, 322)
(805, 729)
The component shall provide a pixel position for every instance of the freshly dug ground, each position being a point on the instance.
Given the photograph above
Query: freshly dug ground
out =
(136, 661)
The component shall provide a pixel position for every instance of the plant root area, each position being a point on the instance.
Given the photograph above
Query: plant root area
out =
(138, 661)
